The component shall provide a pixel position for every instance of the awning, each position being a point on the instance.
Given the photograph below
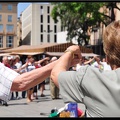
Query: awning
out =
(31, 48)
(46, 47)
(26, 48)
(26, 53)
(5, 54)
(89, 54)
(61, 53)
(54, 53)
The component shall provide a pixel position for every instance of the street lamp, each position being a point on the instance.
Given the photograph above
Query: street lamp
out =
(48, 31)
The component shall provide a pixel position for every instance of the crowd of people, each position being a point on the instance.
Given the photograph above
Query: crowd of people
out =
(93, 81)
(15, 63)
(94, 61)
(30, 63)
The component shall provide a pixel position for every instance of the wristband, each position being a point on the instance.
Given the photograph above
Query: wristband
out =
(68, 50)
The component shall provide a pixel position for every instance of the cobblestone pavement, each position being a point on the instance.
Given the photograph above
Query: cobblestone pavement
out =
(40, 107)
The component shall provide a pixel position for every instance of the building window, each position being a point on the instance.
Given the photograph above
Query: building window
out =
(61, 28)
(9, 18)
(0, 7)
(41, 28)
(10, 28)
(1, 41)
(1, 27)
(48, 18)
(48, 28)
(48, 38)
(41, 37)
(41, 9)
(10, 7)
(55, 38)
(48, 9)
(55, 21)
(41, 18)
(55, 28)
(0, 17)
(9, 41)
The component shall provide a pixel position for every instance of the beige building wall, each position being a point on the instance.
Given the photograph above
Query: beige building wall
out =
(35, 31)
(4, 12)
(27, 25)
(19, 30)
(98, 35)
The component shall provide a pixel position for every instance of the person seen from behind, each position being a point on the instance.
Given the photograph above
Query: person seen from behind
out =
(54, 90)
(98, 91)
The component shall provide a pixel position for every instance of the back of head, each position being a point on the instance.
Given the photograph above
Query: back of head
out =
(29, 56)
(17, 57)
(111, 43)
(97, 58)
(4, 58)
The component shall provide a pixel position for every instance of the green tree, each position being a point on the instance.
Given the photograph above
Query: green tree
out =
(76, 17)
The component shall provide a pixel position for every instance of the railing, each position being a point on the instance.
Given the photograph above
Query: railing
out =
(2, 32)
(10, 33)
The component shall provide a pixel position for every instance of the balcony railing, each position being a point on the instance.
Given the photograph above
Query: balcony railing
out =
(10, 33)
(2, 32)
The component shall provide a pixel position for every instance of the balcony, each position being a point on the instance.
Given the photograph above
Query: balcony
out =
(10, 33)
(2, 32)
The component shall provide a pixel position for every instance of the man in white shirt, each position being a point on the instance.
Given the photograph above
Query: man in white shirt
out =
(18, 64)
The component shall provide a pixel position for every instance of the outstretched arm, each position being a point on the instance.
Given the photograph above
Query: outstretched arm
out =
(30, 79)
(22, 67)
(89, 61)
(42, 60)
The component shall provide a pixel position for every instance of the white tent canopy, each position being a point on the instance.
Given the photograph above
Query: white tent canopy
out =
(5, 54)
(26, 53)
(61, 53)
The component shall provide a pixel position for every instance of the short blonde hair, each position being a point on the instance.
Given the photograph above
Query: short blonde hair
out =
(111, 43)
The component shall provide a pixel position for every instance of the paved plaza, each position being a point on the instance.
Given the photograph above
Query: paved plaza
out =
(40, 107)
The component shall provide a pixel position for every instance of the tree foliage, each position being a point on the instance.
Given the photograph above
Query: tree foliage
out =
(76, 17)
